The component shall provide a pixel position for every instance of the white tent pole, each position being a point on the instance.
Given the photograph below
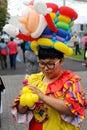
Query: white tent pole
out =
(64, 2)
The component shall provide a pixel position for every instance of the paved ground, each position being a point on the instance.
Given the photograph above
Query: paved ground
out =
(13, 82)
(21, 67)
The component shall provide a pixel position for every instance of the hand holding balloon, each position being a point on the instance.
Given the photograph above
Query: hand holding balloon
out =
(28, 98)
(37, 91)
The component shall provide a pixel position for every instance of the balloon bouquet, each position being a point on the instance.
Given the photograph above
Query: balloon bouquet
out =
(45, 25)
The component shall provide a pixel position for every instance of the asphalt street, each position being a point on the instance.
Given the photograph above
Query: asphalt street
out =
(70, 64)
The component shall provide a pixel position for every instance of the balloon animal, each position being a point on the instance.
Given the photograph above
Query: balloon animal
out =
(27, 98)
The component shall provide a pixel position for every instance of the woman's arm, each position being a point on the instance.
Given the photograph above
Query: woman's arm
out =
(57, 104)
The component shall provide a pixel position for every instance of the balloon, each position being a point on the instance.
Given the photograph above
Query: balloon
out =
(69, 12)
(62, 25)
(25, 90)
(54, 7)
(34, 46)
(28, 98)
(64, 34)
(29, 101)
(53, 15)
(63, 48)
(45, 42)
(60, 39)
(22, 100)
(35, 97)
(64, 18)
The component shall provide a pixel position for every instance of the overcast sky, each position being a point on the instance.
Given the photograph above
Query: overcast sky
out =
(15, 6)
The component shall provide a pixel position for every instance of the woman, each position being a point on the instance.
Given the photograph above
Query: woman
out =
(13, 50)
(84, 42)
(31, 60)
(3, 53)
(61, 98)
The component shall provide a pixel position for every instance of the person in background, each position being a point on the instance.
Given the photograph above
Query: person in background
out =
(23, 49)
(76, 44)
(62, 102)
(84, 43)
(13, 50)
(3, 53)
(2, 90)
(31, 60)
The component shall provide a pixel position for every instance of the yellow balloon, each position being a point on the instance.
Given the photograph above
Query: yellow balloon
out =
(22, 100)
(45, 42)
(29, 101)
(64, 18)
(35, 97)
(34, 46)
(25, 90)
(53, 15)
(63, 48)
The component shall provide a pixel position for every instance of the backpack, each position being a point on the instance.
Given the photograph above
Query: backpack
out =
(27, 46)
(3, 52)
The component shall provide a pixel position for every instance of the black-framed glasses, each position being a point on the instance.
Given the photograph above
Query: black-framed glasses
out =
(49, 65)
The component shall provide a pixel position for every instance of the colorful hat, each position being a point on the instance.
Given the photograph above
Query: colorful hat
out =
(47, 25)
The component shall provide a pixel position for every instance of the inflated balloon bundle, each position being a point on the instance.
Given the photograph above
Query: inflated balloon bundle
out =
(45, 25)
(57, 32)
(27, 98)
(64, 20)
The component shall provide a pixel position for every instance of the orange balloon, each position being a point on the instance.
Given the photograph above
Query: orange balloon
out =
(32, 21)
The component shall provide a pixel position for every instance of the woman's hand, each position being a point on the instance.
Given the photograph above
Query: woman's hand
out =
(35, 90)
(22, 109)
(55, 103)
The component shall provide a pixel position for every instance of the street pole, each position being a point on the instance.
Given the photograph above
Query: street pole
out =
(64, 2)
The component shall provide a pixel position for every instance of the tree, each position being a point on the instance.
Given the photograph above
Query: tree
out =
(3, 13)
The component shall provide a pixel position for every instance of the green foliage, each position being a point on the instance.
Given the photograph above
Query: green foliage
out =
(3, 13)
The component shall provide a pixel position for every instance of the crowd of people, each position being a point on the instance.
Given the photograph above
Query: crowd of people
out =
(12, 49)
(80, 43)
(83, 42)
(6, 49)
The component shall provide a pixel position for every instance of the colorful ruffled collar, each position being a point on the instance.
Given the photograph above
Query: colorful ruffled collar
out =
(57, 85)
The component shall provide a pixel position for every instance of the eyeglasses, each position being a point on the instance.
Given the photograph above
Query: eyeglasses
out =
(49, 65)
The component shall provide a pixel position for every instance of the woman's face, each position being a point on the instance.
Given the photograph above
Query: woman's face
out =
(51, 68)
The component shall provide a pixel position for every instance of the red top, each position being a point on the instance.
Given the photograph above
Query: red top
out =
(12, 46)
